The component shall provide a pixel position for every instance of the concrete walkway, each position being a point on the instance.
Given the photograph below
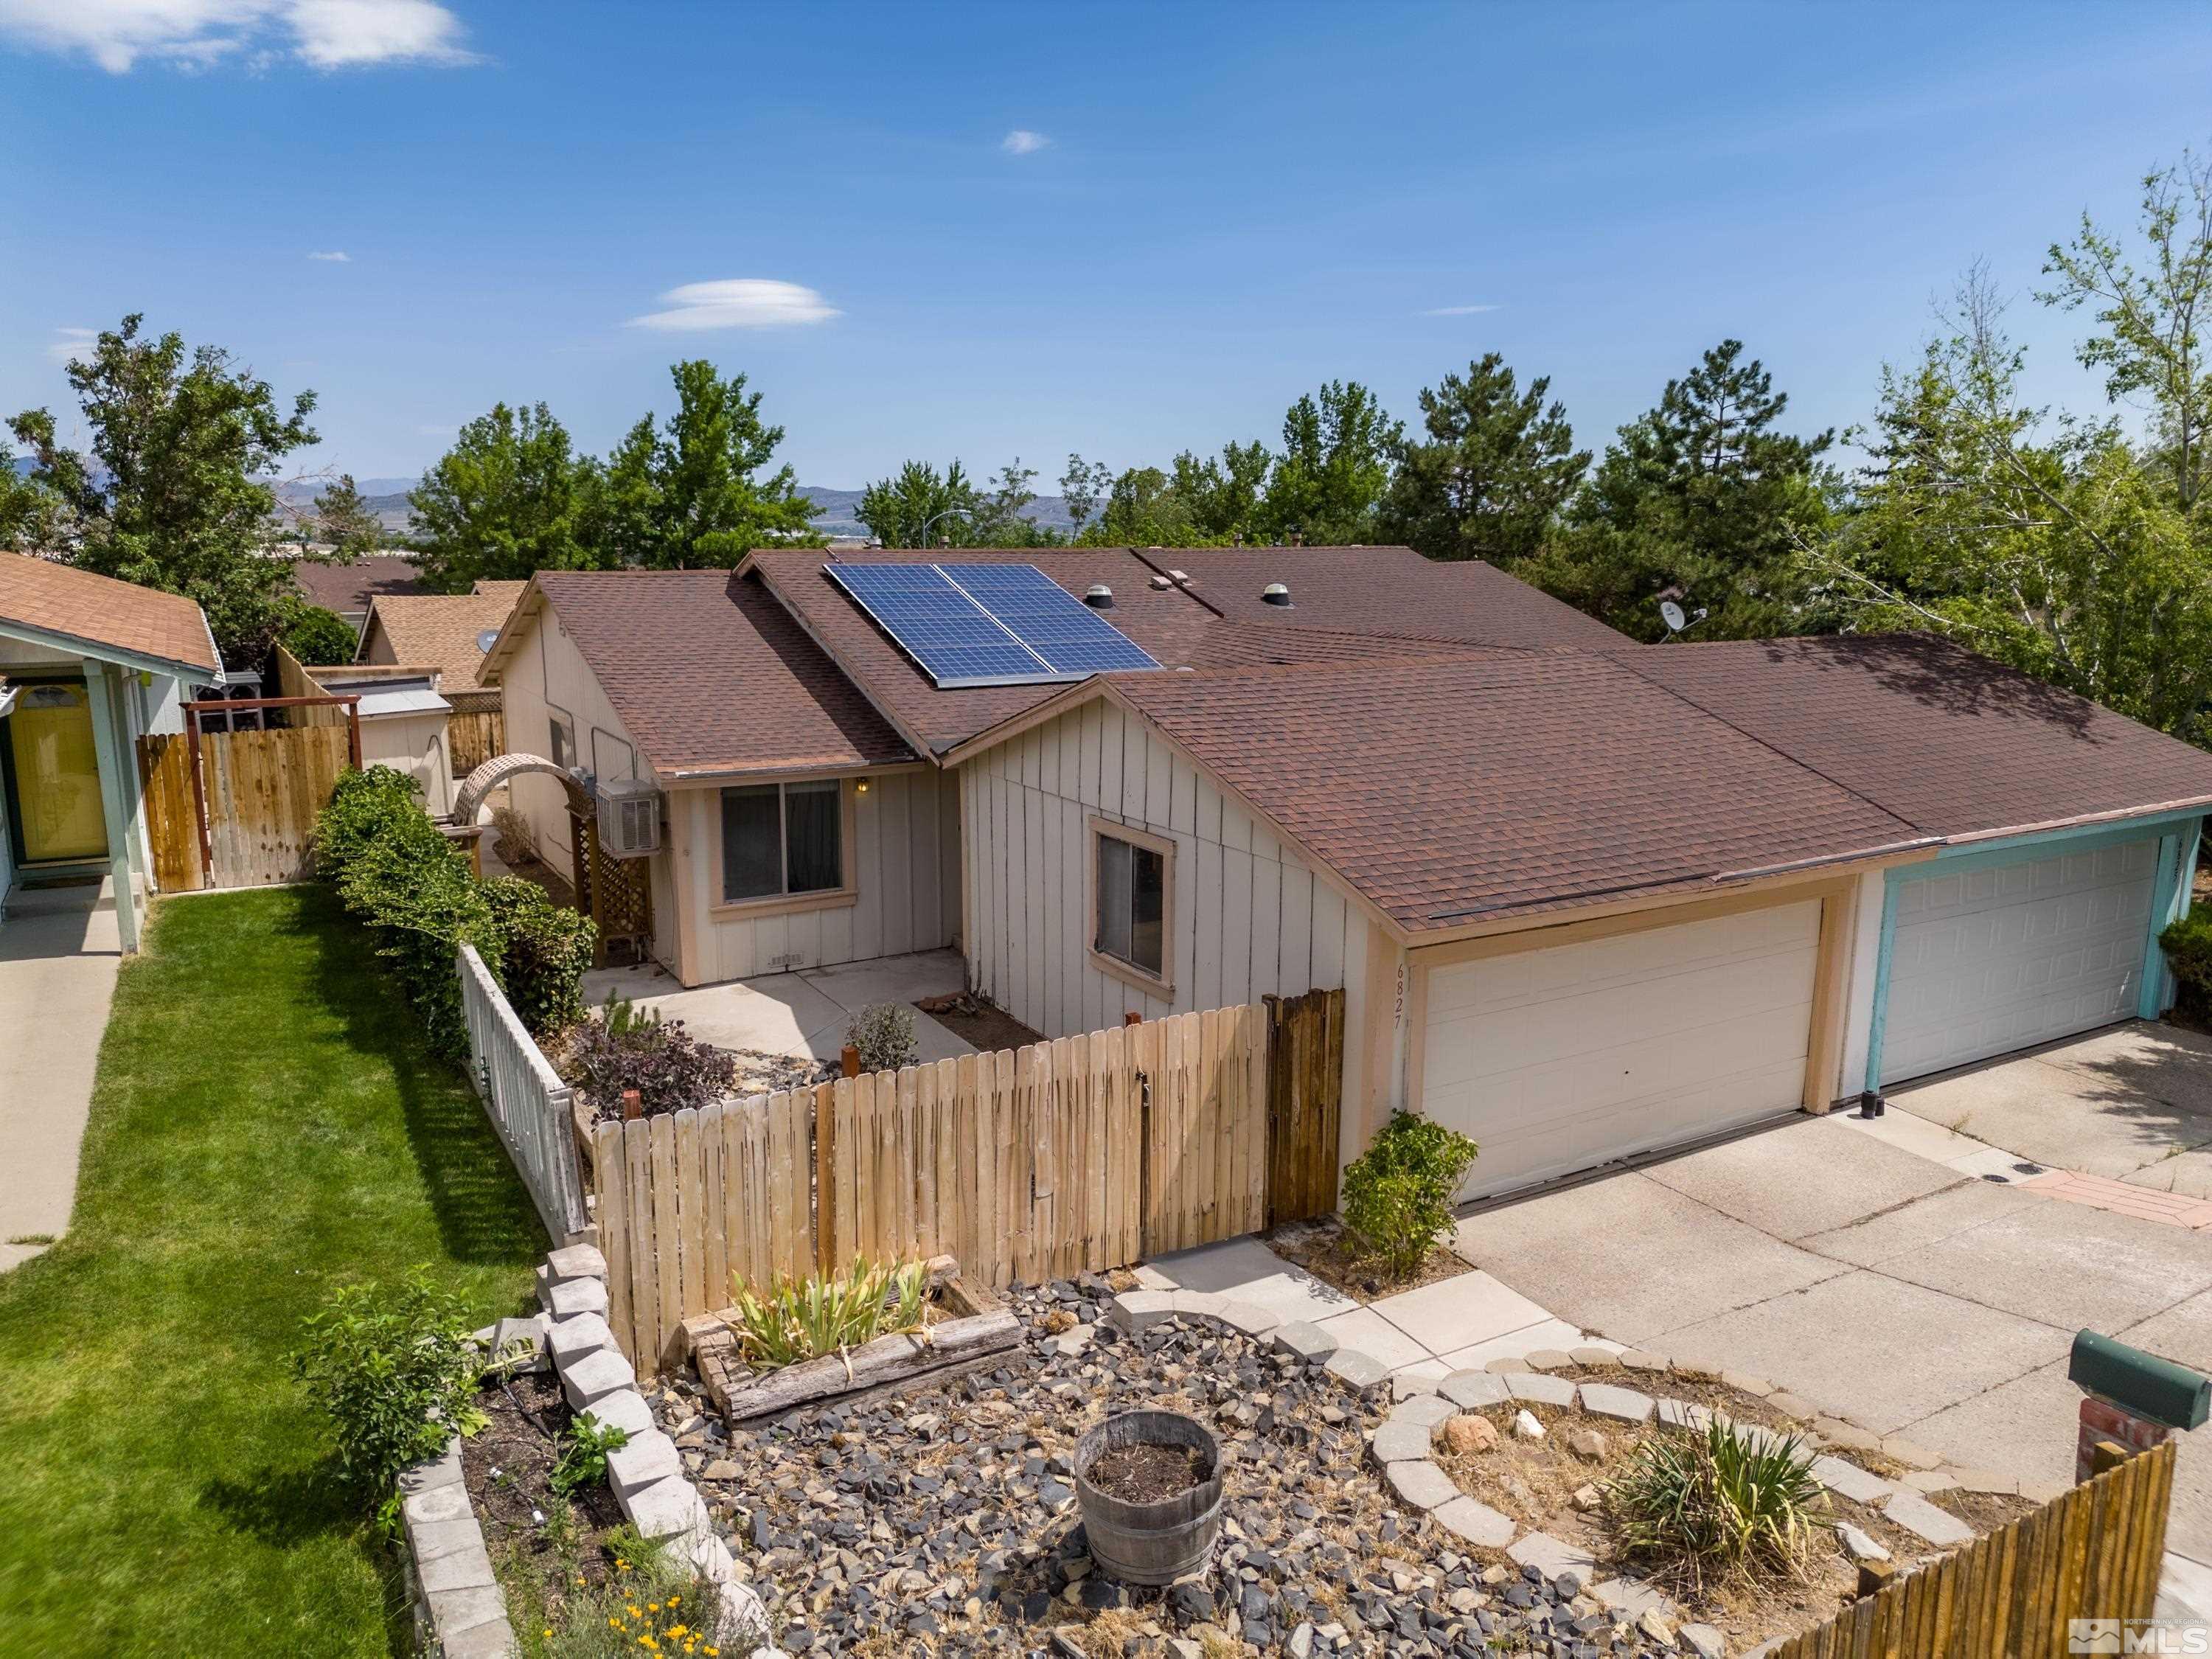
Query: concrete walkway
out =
(801, 1014)
(59, 959)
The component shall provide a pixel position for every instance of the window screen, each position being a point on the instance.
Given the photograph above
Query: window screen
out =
(1132, 904)
(752, 843)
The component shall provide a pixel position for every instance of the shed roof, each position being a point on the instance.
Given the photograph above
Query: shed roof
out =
(103, 616)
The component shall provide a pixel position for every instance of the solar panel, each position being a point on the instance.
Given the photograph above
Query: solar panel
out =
(989, 624)
(1049, 620)
(954, 638)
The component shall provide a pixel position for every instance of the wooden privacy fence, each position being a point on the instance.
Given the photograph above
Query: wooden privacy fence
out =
(532, 1109)
(473, 738)
(238, 809)
(2018, 1592)
(1032, 1164)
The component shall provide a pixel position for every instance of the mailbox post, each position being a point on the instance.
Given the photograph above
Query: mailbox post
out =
(2133, 1399)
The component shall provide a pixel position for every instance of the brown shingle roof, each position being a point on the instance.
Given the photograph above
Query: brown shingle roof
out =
(711, 675)
(1165, 623)
(350, 587)
(1384, 591)
(100, 611)
(1951, 742)
(441, 629)
(1458, 788)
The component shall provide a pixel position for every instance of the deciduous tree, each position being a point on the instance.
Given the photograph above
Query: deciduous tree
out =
(1329, 481)
(921, 507)
(506, 500)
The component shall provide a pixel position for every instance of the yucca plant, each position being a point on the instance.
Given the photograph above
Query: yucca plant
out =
(1731, 1500)
(789, 1320)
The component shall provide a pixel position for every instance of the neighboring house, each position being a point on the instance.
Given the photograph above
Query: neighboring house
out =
(87, 666)
(1586, 898)
(350, 589)
(450, 632)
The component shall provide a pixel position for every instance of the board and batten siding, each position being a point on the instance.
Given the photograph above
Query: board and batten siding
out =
(906, 858)
(1250, 919)
(547, 671)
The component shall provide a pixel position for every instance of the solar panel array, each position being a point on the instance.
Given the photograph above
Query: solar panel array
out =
(989, 624)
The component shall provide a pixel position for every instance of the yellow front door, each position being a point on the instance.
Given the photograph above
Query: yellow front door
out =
(57, 775)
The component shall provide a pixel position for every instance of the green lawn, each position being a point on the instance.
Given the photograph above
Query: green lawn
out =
(266, 1124)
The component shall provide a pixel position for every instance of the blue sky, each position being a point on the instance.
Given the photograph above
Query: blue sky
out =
(1218, 206)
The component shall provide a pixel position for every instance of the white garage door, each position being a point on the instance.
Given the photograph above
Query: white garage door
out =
(1556, 1060)
(1994, 960)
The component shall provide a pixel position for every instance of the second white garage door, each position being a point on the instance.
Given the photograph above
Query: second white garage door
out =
(2000, 958)
(1556, 1060)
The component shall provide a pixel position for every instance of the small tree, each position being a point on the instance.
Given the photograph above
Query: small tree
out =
(1398, 1193)
(313, 635)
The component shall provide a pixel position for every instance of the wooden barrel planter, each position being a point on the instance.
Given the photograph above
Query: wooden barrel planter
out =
(1158, 1542)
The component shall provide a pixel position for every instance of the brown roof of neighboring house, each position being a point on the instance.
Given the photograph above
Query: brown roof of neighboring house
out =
(441, 629)
(1951, 742)
(1383, 590)
(350, 587)
(1454, 789)
(712, 675)
(98, 611)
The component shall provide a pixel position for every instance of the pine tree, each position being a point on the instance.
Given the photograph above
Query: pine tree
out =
(1490, 472)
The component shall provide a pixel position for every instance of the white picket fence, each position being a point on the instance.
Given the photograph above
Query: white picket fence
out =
(527, 1102)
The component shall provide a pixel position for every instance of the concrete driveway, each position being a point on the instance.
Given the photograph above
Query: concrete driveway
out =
(1885, 1284)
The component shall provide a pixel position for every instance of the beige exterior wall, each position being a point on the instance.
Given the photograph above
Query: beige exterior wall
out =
(1249, 917)
(415, 744)
(906, 840)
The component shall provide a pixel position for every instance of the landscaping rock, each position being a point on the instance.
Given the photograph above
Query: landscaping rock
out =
(1587, 1443)
(1858, 1545)
(1849, 1479)
(1703, 1640)
(1526, 1425)
(1469, 1433)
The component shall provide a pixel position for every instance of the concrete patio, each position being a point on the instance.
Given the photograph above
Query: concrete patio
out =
(802, 1014)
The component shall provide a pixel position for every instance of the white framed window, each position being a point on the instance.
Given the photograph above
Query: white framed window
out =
(1132, 902)
(784, 841)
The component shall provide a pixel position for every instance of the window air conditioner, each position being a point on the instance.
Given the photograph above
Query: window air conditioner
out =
(630, 818)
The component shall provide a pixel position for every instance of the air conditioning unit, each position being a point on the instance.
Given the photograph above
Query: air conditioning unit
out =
(630, 818)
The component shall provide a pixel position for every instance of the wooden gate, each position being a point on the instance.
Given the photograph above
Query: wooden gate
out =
(238, 809)
(1305, 1101)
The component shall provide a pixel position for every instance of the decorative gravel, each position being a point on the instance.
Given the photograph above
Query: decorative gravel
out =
(942, 1519)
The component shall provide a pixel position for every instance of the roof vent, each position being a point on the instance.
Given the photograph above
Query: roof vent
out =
(1162, 583)
(1275, 593)
(1181, 578)
(1098, 597)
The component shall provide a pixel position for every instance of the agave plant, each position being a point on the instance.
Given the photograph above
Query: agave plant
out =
(1733, 1499)
(789, 1320)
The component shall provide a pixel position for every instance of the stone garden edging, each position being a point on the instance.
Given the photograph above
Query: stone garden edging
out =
(1402, 1445)
(459, 1609)
(646, 1472)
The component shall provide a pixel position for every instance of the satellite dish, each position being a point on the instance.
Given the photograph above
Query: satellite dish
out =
(1673, 616)
(490, 637)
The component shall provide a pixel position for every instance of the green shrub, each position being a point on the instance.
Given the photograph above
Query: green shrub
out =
(315, 636)
(394, 1368)
(1730, 1499)
(1398, 1193)
(2188, 946)
(650, 1592)
(414, 891)
(582, 1459)
(548, 951)
(791, 1321)
(885, 1036)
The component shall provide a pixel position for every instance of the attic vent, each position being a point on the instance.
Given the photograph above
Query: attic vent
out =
(1161, 583)
(1181, 578)
(1275, 593)
(1098, 597)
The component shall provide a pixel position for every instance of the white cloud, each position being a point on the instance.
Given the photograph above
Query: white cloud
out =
(335, 257)
(70, 342)
(195, 34)
(737, 302)
(1457, 311)
(1022, 141)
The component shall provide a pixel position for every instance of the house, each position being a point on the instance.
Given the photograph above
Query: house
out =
(351, 589)
(87, 666)
(1587, 898)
